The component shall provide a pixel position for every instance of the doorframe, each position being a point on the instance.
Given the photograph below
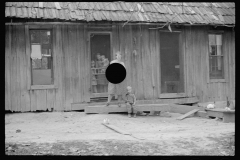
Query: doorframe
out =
(94, 95)
(182, 53)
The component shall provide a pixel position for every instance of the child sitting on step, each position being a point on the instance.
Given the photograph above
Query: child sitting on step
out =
(130, 100)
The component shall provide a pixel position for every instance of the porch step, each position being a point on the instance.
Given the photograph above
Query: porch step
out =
(189, 100)
(227, 115)
(115, 108)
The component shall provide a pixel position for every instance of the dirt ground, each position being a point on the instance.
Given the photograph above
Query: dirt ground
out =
(77, 133)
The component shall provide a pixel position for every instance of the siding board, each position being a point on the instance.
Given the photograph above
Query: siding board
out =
(67, 72)
(50, 99)
(147, 70)
(8, 47)
(22, 68)
(80, 64)
(57, 44)
(14, 97)
(33, 96)
(78, 68)
(85, 64)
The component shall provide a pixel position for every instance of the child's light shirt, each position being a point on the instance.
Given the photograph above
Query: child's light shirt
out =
(130, 97)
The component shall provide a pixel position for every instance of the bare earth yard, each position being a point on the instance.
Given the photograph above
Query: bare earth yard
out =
(77, 133)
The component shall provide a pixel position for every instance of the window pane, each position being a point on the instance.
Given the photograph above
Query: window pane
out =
(45, 37)
(36, 64)
(216, 67)
(35, 36)
(212, 39)
(41, 77)
(213, 50)
(36, 51)
(219, 50)
(41, 57)
(219, 40)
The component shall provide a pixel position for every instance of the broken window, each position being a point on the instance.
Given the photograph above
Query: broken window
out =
(216, 69)
(41, 57)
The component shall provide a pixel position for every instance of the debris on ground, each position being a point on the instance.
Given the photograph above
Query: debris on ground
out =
(18, 131)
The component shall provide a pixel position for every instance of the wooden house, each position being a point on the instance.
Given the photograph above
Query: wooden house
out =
(172, 51)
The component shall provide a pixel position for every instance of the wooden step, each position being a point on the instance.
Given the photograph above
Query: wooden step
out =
(115, 108)
(227, 115)
(189, 100)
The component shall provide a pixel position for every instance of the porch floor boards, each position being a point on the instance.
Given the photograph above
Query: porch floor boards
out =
(123, 108)
(81, 106)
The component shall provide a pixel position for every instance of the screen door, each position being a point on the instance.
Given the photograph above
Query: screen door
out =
(171, 64)
(100, 59)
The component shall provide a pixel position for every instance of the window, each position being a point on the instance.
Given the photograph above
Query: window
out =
(41, 57)
(216, 59)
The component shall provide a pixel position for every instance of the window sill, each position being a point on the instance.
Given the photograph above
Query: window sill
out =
(33, 87)
(217, 80)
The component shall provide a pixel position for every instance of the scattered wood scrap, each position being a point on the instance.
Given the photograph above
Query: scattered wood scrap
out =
(187, 114)
(116, 129)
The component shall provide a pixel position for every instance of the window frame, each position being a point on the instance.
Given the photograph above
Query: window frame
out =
(222, 80)
(30, 86)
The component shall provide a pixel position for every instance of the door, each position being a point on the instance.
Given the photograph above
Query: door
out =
(100, 50)
(171, 65)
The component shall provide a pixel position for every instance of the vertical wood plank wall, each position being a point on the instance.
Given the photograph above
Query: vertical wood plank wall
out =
(196, 57)
(140, 52)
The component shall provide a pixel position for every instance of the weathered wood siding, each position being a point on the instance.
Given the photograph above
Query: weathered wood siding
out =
(140, 49)
(196, 58)
(72, 77)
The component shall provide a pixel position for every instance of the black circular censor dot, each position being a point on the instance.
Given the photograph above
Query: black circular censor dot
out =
(115, 73)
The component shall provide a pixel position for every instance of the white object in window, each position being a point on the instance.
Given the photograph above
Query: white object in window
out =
(36, 51)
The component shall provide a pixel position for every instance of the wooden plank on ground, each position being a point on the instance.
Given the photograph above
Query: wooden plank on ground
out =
(120, 130)
(116, 129)
(187, 114)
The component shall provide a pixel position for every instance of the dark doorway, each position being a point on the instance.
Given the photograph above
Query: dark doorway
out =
(171, 64)
(100, 58)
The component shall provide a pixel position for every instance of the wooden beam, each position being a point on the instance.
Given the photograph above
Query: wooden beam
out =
(202, 114)
(227, 115)
(218, 104)
(115, 108)
(80, 106)
(172, 95)
(116, 129)
(187, 114)
(183, 108)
